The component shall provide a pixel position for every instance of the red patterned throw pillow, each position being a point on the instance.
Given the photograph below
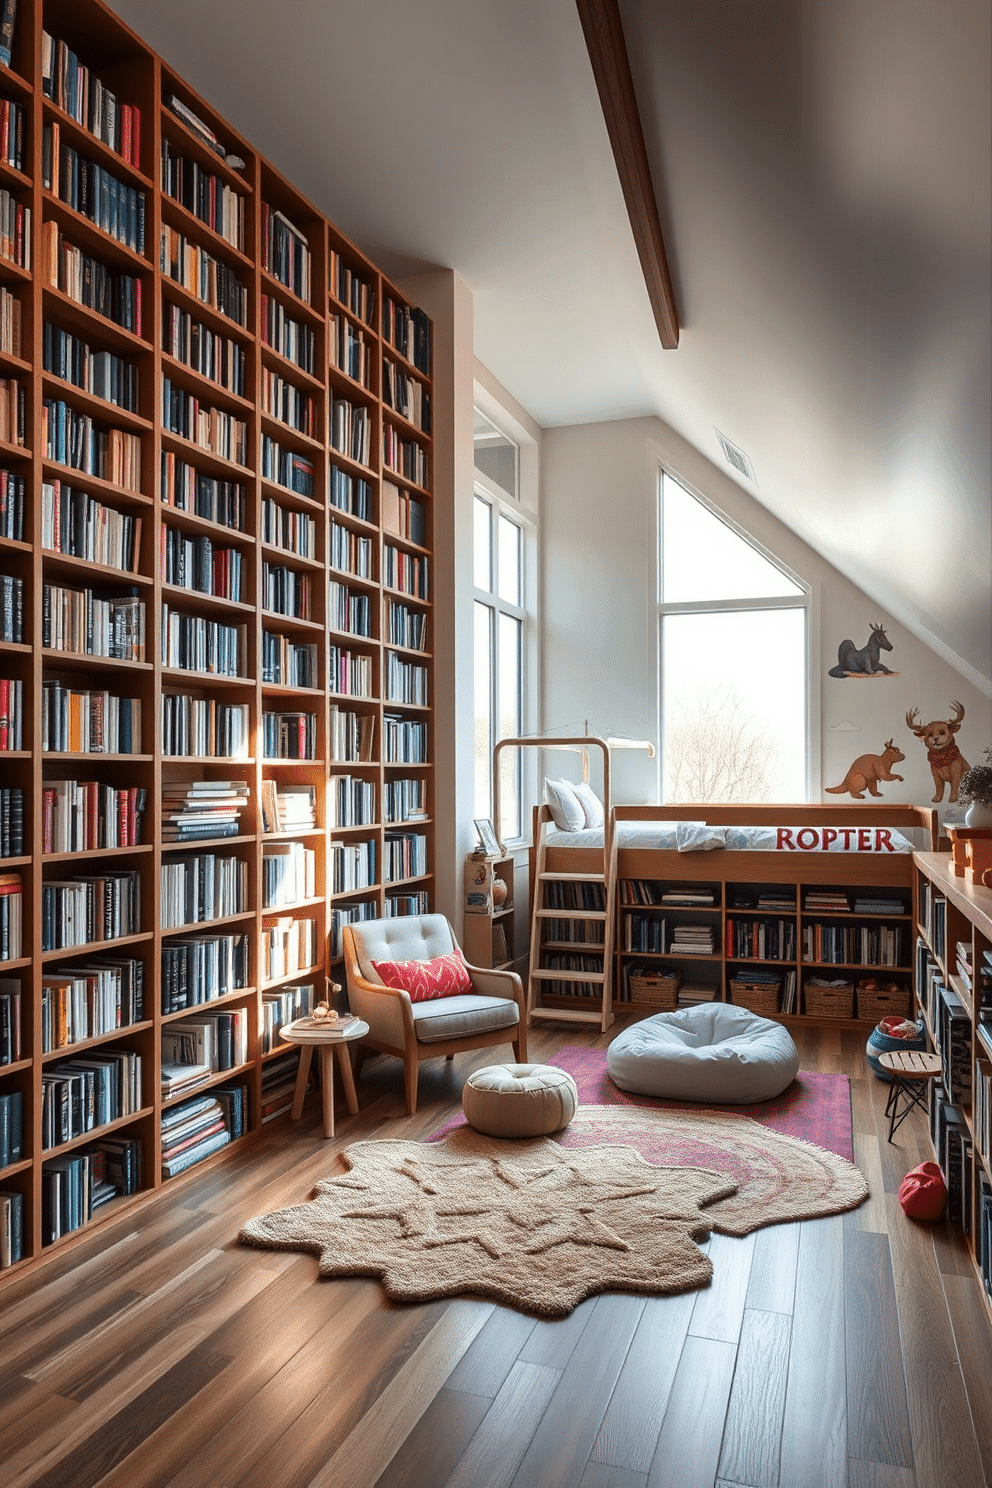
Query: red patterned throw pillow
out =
(445, 976)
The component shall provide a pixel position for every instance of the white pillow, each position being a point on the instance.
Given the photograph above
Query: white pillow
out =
(591, 805)
(566, 808)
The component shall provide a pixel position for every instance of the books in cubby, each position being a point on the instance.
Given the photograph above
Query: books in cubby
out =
(80, 276)
(202, 968)
(350, 430)
(350, 736)
(11, 916)
(108, 201)
(288, 875)
(75, 523)
(350, 552)
(406, 740)
(200, 887)
(78, 91)
(406, 627)
(405, 456)
(289, 663)
(349, 672)
(289, 736)
(213, 1040)
(203, 728)
(213, 429)
(285, 252)
(191, 1131)
(71, 438)
(406, 395)
(405, 855)
(195, 809)
(406, 682)
(409, 330)
(350, 288)
(209, 198)
(194, 643)
(284, 401)
(12, 489)
(84, 815)
(15, 231)
(350, 801)
(87, 722)
(288, 808)
(199, 565)
(10, 323)
(83, 910)
(11, 1127)
(202, 130)
(13, 411)
(288, 945)
(353, 914)
(284, 527)
(189, 490)
(213, 282)
(405, 571)
(278, 1085)
(103, 374)
(292, 339)
(89, 1000)
(11, 608)
(351, 866)
(89, 1091)
(281, 1007)
(348, 610)
(352, 494)
(11, 1227)
(286, 591)
(215, 357)
(82, 623)
(403, 515)
(351, 351)
(10, 1020)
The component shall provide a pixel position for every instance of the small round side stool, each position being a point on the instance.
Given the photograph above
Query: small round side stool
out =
(911, 1071)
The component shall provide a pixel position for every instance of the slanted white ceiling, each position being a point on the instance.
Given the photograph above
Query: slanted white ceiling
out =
(823, 172)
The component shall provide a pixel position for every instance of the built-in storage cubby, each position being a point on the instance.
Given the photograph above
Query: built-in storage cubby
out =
(216, 647)
(954, 997)
(489, 932)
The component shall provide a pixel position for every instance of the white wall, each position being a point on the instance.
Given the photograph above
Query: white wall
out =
(598, 544)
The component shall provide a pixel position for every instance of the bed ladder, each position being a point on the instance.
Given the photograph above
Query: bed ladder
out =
(566, 890)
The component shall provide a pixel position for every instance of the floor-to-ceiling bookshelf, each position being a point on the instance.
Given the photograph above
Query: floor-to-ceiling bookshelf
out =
(216, 529)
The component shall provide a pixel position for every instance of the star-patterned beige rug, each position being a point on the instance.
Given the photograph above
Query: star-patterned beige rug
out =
(529, 1223)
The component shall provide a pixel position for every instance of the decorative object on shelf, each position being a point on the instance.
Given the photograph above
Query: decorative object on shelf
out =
(867, 770)
(852, 662)
(923, 1192)
(893, 1033)
(500, 892)
(947, 763)
(975, 791)
(971, 852)
(487, 836)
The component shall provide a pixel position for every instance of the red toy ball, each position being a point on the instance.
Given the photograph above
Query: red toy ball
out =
(923, 1192)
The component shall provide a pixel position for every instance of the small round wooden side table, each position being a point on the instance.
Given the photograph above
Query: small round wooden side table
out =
(330, 1042)
(911, 1071)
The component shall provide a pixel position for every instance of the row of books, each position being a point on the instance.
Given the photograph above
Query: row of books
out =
(12, 489)
(91, 722)
(292, 339)
(11, 608)
(12, 121)
(279, 1008)
(203, 728)
(209, 198)
(348, 610)
(193, 1130)
(284, 401)
(409, 331)
(11, 1227)
(406, 682)
(107, 201)
(865, 945)
(75, 523)
(76, 90)
(11, 916)
(350, 350)
(405, 456)
(285, 252)
(352, 914)
(350, 552)
(89, 1091)
(405, 741)
(193, 809)
(953, 1146)
(212, 281)
(10, 1020)
(77, 1184)
(90, 1000)
(194, 643)
(288, 946)
(351, 494)
(351, 865)
(202, 968)
(761, 939)
(405, 855)
(574, 932)
(350, 735)
(85, 815)
(349, 672)
(289, 736)
(286, 591)
(201, 887)
(350, 801)
(350, 288)
(407, 572)
(218, 358)
(574, 894)
(286, 467)
(289, 875)
(197, 564)
(103, 374)
(288, 808)
(11, 324)
(287, 663)
(212, 1042)
(406, 395)
(188, 490)
(82, 911)
(212, 429)
(406, 627)
(111, 293)
(72, 439)
(284, 527)
(13, 411)
(350, 430)
(11, 1127)
(83, 623)
(15, 231)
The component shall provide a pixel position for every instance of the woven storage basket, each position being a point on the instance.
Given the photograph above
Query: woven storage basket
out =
(660, 989)
(878, 1002)
(830, 1002)
(757, 997)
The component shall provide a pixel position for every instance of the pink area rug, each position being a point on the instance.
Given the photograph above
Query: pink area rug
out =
(815, 1108)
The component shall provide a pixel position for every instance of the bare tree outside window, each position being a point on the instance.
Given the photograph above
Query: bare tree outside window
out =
(717, 750)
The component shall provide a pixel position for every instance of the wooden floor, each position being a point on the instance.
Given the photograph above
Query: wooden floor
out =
(845, 1351)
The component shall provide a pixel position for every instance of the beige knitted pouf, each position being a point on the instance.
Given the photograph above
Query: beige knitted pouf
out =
(519, 1100)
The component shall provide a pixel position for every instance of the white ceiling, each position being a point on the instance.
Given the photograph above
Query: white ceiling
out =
(823, 173)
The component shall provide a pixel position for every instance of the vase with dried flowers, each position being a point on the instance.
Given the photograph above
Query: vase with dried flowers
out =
(975, 790)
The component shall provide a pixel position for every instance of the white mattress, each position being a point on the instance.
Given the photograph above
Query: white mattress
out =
(670, 836)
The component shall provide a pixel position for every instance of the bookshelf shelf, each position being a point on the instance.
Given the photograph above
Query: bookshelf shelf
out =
(300, 354)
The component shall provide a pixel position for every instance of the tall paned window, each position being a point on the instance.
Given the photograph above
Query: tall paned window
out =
(500, 619)
(733, 651)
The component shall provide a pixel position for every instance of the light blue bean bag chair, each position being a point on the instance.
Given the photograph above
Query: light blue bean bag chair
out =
(714, 1052)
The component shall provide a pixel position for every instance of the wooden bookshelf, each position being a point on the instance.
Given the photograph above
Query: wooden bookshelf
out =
(273, 387)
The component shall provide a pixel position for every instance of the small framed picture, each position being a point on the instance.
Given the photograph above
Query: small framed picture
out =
(487, 836)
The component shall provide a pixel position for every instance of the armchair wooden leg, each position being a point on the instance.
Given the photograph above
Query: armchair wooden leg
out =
(520, 1045)
(411, 1070)
(449, 1057)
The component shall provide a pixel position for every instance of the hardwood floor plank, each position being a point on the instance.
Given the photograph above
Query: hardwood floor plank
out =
(771, 1285)
(561, 1445)
(814, 1427)
(719, 1309)
(944, 1445)
(752, 1436)
(494, 1454)
(437, 1442)
(869, 1216)
(692, 1432)
(372, 1443)
(879, 1475)
(491, 1355)
(601, 1475)
(27, 1408)
(878, 1427)
(973, 1339)
(552, 1343)
(629, 1433)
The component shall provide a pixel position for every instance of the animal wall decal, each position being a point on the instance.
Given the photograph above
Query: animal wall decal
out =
(867, 770)
(947, 763)
(852, 662)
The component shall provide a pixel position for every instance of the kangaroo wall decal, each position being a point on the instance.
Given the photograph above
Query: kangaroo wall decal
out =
(867, 770)
(864, 662)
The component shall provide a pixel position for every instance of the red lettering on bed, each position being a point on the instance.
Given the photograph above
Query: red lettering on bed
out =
(811, 834)
(830, 834)
(785, 838)
(883, 840)
(864, 839)
(847, 833)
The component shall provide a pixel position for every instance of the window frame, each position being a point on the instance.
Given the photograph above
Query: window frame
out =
(804, 600)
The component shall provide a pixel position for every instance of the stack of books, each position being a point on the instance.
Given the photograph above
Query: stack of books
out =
(195, 810)
(192, 1131)
(693, 993)
(692, 940)
(692, 896)
(288, 808)
(827, 900)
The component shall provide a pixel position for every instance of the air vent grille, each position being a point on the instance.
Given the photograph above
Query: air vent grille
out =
(736, 457)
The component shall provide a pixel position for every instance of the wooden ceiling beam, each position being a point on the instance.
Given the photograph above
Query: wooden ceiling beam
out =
(603, 30)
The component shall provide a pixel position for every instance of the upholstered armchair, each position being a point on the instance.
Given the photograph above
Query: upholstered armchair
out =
(493, 1012)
